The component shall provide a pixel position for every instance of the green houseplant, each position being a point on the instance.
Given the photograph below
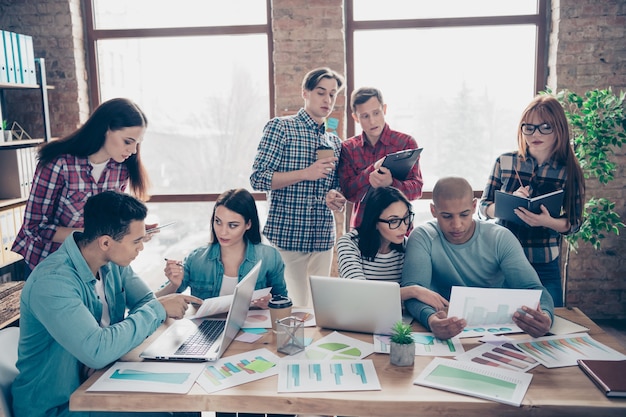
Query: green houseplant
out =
(402, 350)
(597, 122)
(7, 132)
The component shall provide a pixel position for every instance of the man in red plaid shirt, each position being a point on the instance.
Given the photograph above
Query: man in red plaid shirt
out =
(362, 155)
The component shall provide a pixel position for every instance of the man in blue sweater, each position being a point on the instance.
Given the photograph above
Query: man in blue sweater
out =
(73, 307)
(458, 250)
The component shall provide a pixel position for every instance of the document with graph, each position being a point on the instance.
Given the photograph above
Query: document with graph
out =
(505, 356)
(336, 346)
(559, 351)
(165, 377)
(490, 310)
(482, 381)
(327, 375)
(238, 369)
(426, 344)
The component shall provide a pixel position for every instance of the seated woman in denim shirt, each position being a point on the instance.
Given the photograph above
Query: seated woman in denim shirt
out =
(235, 247)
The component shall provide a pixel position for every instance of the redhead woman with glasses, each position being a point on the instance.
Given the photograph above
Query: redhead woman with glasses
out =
(544, 162)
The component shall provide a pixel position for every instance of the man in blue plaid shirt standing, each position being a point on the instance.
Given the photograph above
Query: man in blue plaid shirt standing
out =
(300, 223)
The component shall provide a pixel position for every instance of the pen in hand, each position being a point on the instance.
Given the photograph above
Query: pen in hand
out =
(166, 283)
(177, 263)
(521, 184)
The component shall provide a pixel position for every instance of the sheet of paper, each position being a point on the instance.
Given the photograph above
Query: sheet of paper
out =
(559, 351)
(305, 314)
(257, 319)
(482, 381)
(248, 337)
(325, 376)
(426, 344)
(489, 310)
(219, 305)
(165, 377)
(336, 346)
(505, 356)
(562, 326)
(238, 369)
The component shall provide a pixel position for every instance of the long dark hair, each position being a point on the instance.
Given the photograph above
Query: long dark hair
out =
(115, 114)
(548, 109)
(376, 202)
(241, 202)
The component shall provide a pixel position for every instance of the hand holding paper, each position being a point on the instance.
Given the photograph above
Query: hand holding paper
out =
(219, 305)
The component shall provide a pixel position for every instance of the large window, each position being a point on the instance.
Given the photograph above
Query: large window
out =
(200, 72)
(455, 74)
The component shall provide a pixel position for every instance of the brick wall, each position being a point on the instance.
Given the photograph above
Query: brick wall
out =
(307, 34)
(588, 51)
(56, 28)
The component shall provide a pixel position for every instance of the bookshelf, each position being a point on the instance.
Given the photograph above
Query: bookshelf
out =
(17, 166)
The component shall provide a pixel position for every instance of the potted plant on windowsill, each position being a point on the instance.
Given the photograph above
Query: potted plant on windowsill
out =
(402, 350)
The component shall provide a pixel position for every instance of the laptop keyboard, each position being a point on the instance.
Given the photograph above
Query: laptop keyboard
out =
(202, 339)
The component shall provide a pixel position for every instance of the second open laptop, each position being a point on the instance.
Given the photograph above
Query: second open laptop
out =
(356, 305)
(205, 339)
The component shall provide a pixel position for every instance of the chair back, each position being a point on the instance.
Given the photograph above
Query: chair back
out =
(9, 338)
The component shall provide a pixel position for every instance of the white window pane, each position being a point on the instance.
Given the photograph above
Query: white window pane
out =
(429, 9)
(458, 91)
(206, 99)
(136, 14)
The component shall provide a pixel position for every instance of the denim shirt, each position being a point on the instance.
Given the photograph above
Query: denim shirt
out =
(203, 270)
(60, 328)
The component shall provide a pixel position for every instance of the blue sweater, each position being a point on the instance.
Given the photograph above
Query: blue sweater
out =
(492, 258)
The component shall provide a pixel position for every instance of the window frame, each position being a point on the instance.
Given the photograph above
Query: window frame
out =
(539, 19)
(94, 35)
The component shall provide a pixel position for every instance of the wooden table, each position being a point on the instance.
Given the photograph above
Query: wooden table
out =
(558, 391)
(10, 302)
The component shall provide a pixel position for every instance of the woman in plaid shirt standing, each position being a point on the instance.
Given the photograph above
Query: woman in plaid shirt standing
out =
(103, 154)
(544, 162)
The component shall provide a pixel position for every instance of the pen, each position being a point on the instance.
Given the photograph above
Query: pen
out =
(177, 263)
(518, 178)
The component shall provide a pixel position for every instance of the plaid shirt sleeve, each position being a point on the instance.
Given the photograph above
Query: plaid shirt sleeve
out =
(354, 182)
(43, 200)
(267, 159)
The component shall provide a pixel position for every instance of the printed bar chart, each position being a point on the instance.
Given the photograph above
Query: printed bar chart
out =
(309, 376)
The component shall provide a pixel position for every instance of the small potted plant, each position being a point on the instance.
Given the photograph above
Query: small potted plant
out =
(6, 130)
(402, 350)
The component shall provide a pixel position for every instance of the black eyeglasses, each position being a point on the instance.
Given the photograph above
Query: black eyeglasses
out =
(395, 223)
(529, 128)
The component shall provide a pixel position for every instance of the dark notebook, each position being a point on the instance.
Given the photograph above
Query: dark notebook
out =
(401, 162)
(506, 203)
(609, 376)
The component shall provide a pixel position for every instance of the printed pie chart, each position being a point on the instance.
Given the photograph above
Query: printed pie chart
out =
(256, 318)
(301, 315)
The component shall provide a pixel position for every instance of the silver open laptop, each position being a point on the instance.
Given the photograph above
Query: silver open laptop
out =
(183, 341)
(356, 305)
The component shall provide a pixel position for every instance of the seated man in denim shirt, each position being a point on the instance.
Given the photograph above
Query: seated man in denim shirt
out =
(73, 307)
